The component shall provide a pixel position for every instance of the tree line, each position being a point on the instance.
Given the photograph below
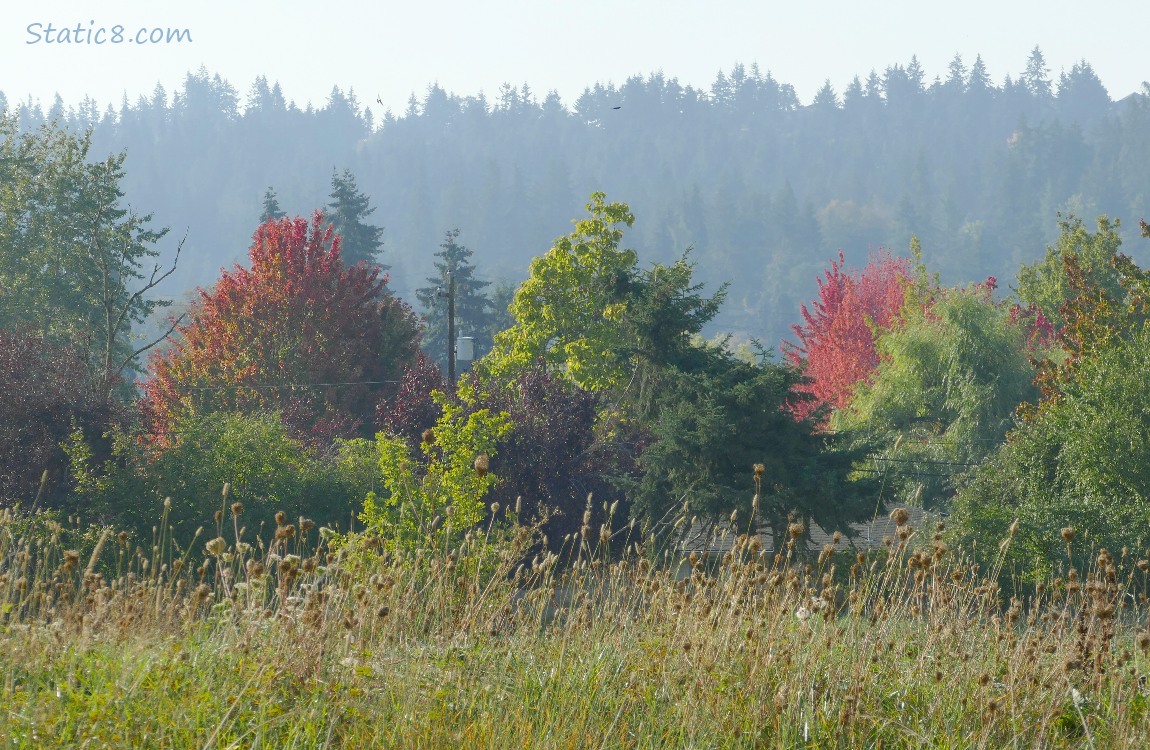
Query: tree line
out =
(764, 186)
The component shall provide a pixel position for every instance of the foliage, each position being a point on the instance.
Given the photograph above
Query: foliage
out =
(713, 423)
(473, 310)
(570, 310)
(1079, 458)
(555, 456)
(951, 374)
(298, 332)
(267, 471)
(1080, 462)
(836, 342)
(45, 395)
(447, 485)
(348, 209)
(70, 254)
(1046, 285)
(411, 410)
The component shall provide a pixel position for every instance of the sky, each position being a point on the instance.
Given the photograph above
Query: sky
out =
(387, 50)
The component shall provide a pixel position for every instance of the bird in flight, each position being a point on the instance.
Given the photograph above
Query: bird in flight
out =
(619, 107)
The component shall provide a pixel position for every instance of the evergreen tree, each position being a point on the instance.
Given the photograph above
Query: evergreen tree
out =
(271, 210)
(826, 98)
(347, 211)
(979, 80)
(1037, 75)
(473, 309)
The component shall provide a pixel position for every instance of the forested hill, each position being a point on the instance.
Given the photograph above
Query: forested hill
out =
(765, 188)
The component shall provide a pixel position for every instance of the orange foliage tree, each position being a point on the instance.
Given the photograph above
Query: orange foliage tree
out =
(298, 332)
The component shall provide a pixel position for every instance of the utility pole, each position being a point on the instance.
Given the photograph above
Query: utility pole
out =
(450, 295)
(451, 330)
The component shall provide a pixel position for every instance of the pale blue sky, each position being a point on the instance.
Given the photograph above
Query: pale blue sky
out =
(391, 49)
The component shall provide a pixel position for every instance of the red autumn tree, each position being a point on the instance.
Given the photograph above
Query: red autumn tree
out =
(836, 342)
(297, 332)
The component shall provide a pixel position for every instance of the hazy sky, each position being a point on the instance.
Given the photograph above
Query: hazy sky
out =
(390, 49)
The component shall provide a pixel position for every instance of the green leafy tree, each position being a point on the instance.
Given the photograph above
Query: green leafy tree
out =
(952, 371)
(1045, 284)
(446, 484)
(73, 260)
(570, 311)
(1079, 458)
(1082, 461)
(473, 309)
(347, 211)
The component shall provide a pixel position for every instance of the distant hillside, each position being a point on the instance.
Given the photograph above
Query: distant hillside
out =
(765, 188)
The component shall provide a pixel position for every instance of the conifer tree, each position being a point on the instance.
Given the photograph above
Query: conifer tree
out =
(272, 211)
(473, 308)
(347, 211)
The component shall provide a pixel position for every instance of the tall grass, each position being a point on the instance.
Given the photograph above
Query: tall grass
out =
(479, 640)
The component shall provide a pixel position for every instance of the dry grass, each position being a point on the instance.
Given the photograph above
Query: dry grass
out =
(461, 644)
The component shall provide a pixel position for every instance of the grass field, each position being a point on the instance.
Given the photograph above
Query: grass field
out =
(478, 642)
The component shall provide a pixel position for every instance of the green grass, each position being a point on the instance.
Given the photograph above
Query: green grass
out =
(456, 645)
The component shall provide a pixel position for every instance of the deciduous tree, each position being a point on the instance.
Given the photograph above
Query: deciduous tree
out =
(836, 341)
(297, 331)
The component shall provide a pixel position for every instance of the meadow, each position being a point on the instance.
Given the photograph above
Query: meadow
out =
(482, 638)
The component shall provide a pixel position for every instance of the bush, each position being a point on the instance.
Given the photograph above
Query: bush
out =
(267, 470)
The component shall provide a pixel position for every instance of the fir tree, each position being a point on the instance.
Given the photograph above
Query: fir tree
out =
(347, 211)
(473, 309)
(272, 211)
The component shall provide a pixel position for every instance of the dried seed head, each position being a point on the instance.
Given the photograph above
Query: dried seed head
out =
(795, 530)
(481, 464)
(494, 509)
(760, 469)
(1068, 533)
(237, 508)
(900, 516)
(837, 537)
(216, 547)
(281, 518)
(1143, 640)
(306, 525)
(428, 436)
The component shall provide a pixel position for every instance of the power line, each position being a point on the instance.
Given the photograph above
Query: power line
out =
(289, 385)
